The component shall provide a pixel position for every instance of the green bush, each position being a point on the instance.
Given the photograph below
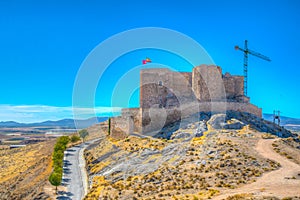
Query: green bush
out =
(74, 138)
(64, 140)
(58, 170)
(83, 134)
(59, 147)
(58, 155)
(58, 163)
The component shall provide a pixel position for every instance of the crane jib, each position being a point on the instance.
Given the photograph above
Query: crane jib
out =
(246, 52)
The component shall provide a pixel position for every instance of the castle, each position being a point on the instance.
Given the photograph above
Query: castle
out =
(168, 96)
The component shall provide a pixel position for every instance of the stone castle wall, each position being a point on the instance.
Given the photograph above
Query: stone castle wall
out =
(130, 121)
(208, 83)
(155, 118)
(120, 127)
(167, 96)
(234, 87)
(164, 88)
(135, 115)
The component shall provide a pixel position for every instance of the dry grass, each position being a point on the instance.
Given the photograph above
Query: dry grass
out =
(247, 196)
(287, 148)
(228, 165)
(24, 171)
(268, 136)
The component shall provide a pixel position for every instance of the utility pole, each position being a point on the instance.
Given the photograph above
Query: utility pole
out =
(246, 52)
(276, 116)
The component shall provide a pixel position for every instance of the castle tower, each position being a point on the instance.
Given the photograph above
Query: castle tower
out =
(207, 83)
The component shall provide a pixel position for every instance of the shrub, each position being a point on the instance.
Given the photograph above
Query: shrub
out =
(59, 147)
(57, 163)
(58, 155)
(75, 138)
(64, 140)
(83, 134)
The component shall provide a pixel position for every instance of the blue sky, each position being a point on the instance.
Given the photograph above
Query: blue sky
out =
(44, 43)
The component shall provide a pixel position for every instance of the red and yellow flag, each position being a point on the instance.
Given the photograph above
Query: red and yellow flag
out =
(147, 60)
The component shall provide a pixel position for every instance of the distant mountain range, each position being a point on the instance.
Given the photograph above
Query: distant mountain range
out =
(287, 122)
(65, 123)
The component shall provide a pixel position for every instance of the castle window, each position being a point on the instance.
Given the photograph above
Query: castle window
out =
(160, 83)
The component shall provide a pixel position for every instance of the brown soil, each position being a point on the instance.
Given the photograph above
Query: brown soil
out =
(284, 182)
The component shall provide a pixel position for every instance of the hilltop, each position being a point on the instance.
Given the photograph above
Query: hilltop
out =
(204, 156)
(214, 156)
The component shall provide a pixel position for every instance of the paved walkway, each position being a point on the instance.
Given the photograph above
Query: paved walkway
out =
(74, 173)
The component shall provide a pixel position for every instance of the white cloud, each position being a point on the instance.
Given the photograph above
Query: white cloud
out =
(38, 113)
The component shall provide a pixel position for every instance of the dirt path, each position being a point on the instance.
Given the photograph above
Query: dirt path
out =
(276, 183)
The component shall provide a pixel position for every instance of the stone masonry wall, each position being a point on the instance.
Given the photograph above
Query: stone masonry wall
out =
(167, 96)
(164, 88)
(208, 83)
(120, 127)
(234, 86)
(135, 115)
(156, 118)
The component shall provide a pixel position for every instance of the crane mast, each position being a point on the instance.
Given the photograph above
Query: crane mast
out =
(246, 52)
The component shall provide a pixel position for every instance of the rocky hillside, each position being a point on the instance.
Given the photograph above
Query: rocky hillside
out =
(198, 159)
(230, 120)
